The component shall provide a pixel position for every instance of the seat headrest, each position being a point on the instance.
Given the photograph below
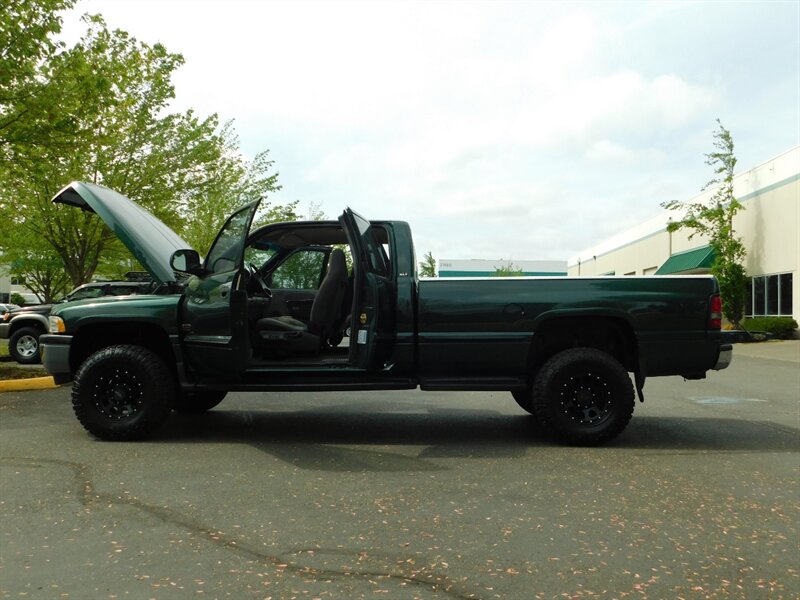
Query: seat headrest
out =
(337, 264)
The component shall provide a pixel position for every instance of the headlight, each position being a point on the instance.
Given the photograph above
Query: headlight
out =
(6, 316)
(57, 325)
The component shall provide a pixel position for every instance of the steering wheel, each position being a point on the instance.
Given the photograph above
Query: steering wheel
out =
(256, 276)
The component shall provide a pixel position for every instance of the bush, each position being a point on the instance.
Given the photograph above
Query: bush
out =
(780, 327)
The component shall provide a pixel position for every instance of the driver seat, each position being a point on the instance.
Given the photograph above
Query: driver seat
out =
(286, 334)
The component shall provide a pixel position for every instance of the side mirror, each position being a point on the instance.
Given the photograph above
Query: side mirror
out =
(186, 261)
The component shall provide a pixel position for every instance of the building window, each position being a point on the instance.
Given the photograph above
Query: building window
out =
(770, 295)
(785, 293)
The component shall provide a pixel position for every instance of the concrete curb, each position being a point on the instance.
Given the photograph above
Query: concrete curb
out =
(34, 383)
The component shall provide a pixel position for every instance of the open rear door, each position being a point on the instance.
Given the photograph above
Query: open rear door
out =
(372, 326)
(214, 316)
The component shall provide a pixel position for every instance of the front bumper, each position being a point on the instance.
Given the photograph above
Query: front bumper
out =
(54, 349)
(5, 328)
(725, 357)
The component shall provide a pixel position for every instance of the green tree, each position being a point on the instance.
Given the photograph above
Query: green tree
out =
(277, 213)
(508, 270)
(26, 42)
(17, 298)
(427, 268)
(714, 221)
(31, 260)
(106, 103)
(232, 182)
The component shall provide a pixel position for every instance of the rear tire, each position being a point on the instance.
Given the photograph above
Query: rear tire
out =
(24, 345)
(123, 393)
(525, 401)
(584, 396)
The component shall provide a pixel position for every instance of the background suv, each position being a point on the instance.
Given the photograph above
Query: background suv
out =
(23, 326)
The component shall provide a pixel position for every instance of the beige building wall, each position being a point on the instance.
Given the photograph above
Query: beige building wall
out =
(769, 226)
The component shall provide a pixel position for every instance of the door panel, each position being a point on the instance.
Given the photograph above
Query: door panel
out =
(214, 315)
(294, 303)
(372, 326)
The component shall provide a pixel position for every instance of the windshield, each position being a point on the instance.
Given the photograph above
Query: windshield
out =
(83, 293)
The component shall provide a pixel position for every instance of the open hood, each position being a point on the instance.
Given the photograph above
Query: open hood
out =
(148, 239)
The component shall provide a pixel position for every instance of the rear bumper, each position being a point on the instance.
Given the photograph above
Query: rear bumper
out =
(55, 356)
(725, 357)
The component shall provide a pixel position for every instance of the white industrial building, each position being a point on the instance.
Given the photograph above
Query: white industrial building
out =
(475, 267)
(9, 285)
(768, 226)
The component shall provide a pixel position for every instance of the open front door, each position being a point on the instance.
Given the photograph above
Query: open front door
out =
(372, 327)
(214, 315)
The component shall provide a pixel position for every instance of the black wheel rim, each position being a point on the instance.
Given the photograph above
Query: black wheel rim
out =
(585, 398)
(119, 395)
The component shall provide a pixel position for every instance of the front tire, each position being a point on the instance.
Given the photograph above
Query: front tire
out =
(584, 396)
(196, 403)
(524, 400)
(24, 345)
(123, 393)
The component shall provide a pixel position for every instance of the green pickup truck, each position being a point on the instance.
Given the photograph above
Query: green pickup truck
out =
(338, 305)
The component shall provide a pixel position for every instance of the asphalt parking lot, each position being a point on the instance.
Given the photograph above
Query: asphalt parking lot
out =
(412, 495)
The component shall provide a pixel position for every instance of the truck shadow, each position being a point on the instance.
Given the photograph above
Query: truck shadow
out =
(324, 439)
(708, 434)
(341, 439)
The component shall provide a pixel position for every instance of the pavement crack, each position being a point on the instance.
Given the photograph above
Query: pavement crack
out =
(88, 497)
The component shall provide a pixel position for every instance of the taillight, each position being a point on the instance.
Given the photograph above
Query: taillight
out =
(715, 314)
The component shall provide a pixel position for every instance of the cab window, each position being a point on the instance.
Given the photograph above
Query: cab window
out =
(302, 270)
(123, 290)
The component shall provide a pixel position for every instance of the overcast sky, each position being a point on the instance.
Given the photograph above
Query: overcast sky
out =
(523, 130)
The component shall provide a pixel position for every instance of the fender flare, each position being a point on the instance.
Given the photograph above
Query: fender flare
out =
(22, 320)
(640, 371)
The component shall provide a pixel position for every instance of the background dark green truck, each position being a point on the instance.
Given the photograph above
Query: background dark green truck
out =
(338, 305)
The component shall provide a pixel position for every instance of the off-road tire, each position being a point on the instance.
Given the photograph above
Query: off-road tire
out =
(197, 402)
(23, 346)
(123, 393)
(583, 396)
(525, 400)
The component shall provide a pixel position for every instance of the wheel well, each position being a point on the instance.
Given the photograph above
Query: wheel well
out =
(609, 334)
(16, 326)
(91, 338)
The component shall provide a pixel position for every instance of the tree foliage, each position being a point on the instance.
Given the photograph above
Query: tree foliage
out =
(100, 111)
(26, 30)
(427, 268)
(31, 260)
(508, 270)
(714, 221)
(17, 298)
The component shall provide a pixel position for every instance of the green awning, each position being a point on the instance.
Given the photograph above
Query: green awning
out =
(698, 260)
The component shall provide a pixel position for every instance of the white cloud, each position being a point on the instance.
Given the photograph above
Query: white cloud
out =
(606, 151)
(528, 128)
